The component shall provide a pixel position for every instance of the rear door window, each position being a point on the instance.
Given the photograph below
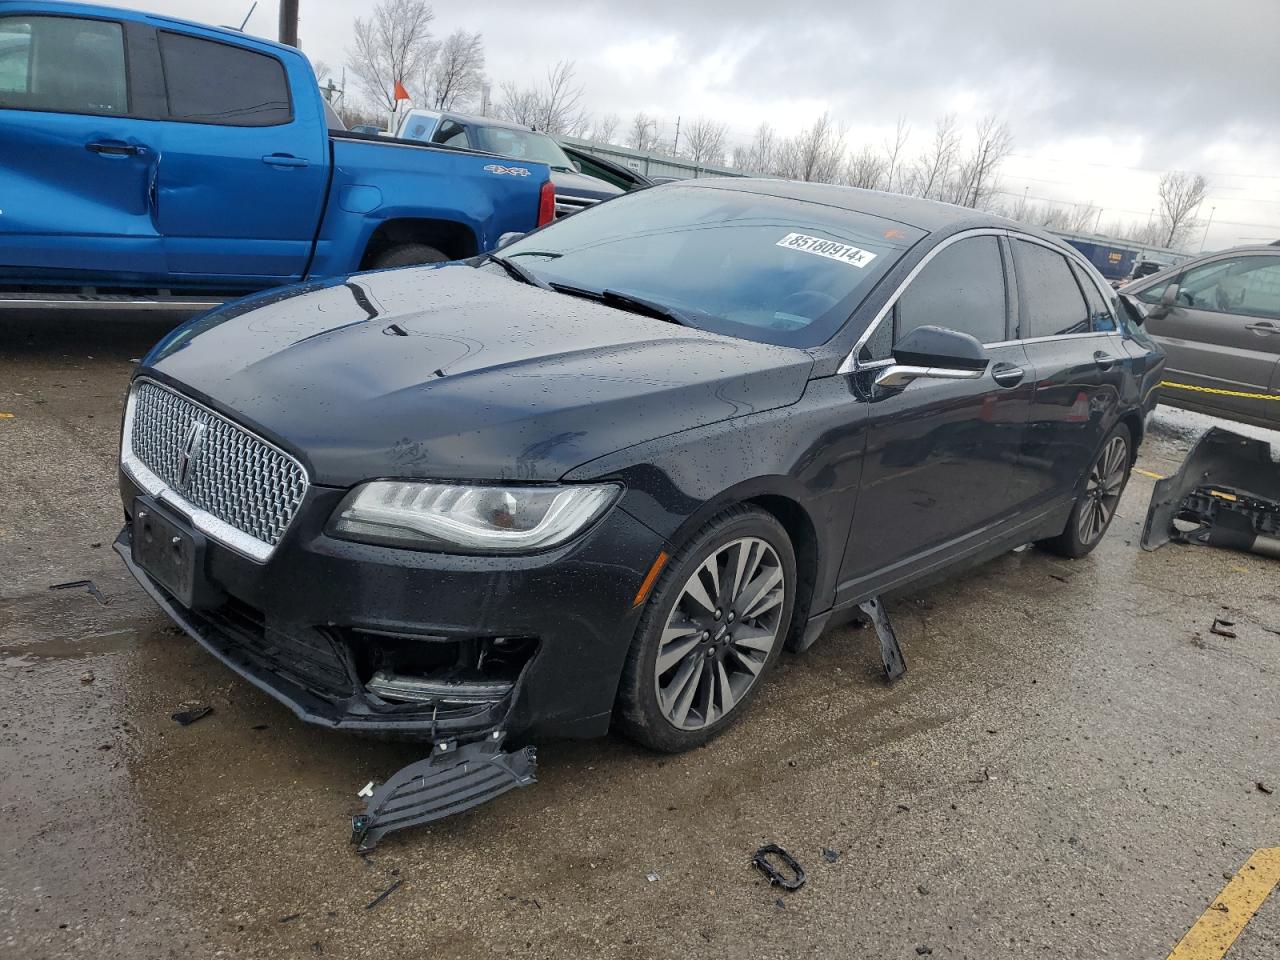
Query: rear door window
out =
(63, 65)
(962, 288)
(212, 82)
(1050, 299)
(452, 134)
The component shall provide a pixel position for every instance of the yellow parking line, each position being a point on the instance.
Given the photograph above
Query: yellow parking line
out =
(1221, 393)
(1212, 935)
(1148, 473)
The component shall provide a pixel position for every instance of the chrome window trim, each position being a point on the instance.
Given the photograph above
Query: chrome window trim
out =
(213, 527)
(850, 363)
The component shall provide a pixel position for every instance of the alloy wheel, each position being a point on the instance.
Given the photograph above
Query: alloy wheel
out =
(720, 633)
(1102, 492)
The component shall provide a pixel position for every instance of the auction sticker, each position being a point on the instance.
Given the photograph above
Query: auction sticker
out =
(831, 249)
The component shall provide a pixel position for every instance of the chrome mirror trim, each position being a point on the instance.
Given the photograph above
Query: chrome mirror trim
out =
(899, 375)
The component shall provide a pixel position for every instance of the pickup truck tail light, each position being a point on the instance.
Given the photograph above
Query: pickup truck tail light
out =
(546, 203)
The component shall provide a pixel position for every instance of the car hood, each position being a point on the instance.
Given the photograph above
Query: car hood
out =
(455, 372)
(574, 184)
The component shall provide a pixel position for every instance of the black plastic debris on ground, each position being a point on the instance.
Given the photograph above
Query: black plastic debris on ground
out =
(829, 855)
(1223, 628)
(383, 895)
(764, 862)
(89, 585)
(188, 717)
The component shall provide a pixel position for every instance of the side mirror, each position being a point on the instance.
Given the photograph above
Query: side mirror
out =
(934, 353)
(509, 237)
(1168, 300)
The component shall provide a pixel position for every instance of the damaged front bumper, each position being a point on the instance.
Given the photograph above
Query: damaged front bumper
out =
(1226, 494)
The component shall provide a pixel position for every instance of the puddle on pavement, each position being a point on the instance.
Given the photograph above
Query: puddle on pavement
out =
(69, 648)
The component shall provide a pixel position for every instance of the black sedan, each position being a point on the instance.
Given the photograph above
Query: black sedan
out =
(605, 475)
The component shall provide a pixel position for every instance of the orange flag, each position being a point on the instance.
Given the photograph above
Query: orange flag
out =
(401, 92)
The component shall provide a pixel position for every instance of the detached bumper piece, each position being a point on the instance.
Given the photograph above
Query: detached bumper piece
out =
(1226, 494)
(453, 779)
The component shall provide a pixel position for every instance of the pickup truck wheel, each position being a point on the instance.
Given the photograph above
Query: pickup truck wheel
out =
(716, 621)
(407, 255)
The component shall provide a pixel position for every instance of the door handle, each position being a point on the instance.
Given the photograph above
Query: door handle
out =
(1262, 327)
(285, 160)
(108, 148)
(1105, 361)
(1007, 375)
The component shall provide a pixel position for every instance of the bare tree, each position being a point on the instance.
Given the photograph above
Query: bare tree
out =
(554, 108)
(867, 169)
(393, 45)
(761, 155)
(456, 75)
(643, 135)
(518, 104)
(1180, 195)
(322, 71)
(933, 172)
(605, 128)
(705, 141)
(814, 154)
(978, 172)
(893, 151)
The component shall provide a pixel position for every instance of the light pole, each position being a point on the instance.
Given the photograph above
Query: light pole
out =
(289, 22)
(1207, 224)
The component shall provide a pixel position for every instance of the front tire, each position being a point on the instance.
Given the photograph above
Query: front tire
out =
(1096, 505)
(715, 623)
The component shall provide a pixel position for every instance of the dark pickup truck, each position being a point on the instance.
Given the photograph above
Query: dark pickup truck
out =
(149, 160)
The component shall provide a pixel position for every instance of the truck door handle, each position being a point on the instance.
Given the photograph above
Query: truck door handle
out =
(285, 160)
(1104, 360)
(115, 148)
(1007, 375)
(1262, 327)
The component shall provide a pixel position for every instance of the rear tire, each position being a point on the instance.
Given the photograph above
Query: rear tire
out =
(1099, 496)
(718, 617)
(407, 255)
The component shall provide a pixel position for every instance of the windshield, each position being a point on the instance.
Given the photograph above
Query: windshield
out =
(521, 145)
(763, 268)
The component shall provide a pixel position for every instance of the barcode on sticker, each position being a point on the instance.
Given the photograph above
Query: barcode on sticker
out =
(831, 249)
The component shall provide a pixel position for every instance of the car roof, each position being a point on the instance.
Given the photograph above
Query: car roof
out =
(932, 216)
(489, 122)
(93, 10)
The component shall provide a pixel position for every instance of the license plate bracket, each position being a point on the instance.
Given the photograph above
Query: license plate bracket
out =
(168, 551)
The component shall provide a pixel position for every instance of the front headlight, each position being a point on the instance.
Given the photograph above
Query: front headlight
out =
(469, 518)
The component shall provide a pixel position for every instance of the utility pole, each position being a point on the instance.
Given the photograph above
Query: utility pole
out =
(675, 144)
(289, 22)
(1098, 223)
(1208, 223)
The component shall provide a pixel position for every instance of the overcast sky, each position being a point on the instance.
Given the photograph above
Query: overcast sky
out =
(1100, 95)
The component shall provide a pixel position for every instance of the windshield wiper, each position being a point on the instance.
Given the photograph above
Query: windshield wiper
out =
(517, 272)
(548, 254)
(629, 301)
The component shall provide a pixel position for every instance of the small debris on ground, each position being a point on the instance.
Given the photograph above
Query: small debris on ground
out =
(829, 855)
(383, 895)
(290, 918)
(652, 878)
(87, 677)
(1222, 628)
(780, 904)
(259, 726)
(1262, 788)
(763, 861)
(366, 791)
(923, 951)
(76, 584)
(188, 717)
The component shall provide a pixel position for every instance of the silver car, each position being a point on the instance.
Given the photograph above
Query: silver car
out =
(1218, 319)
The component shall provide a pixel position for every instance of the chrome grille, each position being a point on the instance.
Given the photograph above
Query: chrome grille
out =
(566, 205)
(235, 476)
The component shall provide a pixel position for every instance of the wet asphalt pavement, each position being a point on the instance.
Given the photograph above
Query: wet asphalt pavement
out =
(1068, 769)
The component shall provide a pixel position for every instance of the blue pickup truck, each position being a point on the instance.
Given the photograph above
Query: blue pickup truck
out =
(145, 159)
